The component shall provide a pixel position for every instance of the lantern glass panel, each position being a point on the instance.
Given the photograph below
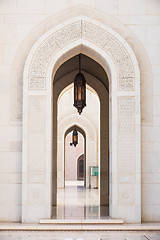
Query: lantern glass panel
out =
(83, 93)
(75, 138)
(75, 92)
(79, 92)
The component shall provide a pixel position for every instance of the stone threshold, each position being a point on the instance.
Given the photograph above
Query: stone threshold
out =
(81, 221)
(79, 227)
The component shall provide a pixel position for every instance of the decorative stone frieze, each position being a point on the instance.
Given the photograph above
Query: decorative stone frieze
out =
(82, 13)
(105, 40)
(68, 34)
(115, 50)
(39, 64)
(48, 48)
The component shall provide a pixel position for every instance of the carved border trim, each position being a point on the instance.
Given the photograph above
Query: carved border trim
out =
(81, 29)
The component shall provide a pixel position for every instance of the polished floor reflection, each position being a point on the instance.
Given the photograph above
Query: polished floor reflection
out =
(93, 235)
(77, 202)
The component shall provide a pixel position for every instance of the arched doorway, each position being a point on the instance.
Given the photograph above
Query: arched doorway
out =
(80, 168)
(101, 44)
(77, 164)
(97, 79)
(81, 149)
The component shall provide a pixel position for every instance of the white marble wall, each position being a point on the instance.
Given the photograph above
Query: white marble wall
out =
(17, 19)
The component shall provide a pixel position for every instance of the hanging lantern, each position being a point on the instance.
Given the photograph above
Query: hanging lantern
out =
(79, 89)
(75, 138)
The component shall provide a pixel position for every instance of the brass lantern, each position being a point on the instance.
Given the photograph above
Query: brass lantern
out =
(79, 89)
(75, 138)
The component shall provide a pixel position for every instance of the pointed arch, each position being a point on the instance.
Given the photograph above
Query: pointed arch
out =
(108, 48)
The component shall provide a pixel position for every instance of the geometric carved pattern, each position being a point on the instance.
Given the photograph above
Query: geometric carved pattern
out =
(39, 64)
(36, 134)
(36, 115)
(77, 30)
(126, 150)
(126, 135)
(43, 55)
(115, 50)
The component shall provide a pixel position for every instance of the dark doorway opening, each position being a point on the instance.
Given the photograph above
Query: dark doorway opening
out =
(80, 168)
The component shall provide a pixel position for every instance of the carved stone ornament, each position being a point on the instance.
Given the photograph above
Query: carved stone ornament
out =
(81, 29)
(126, 135)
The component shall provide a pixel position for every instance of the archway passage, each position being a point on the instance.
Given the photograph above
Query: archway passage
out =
(73, 199)
(71, 154)
(77, 164)
(113, 52)
(97, 140)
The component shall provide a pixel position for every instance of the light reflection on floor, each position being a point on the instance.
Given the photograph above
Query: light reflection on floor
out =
(92, 235)
(77, 202)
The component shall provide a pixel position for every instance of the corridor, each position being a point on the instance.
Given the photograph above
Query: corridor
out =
(77, 202)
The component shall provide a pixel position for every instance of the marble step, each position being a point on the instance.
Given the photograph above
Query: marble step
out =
(79, 227)
(81, 221)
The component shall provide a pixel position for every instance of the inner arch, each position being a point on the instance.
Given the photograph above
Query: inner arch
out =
(88, 65)
(97, 79)
(83, 148)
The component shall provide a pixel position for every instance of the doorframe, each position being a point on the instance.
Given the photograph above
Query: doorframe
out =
(37, 114)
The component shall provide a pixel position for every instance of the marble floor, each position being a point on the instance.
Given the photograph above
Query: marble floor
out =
(93, 235)
(77, 202)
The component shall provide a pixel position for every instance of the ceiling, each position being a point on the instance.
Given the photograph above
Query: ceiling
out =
(87, 65)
